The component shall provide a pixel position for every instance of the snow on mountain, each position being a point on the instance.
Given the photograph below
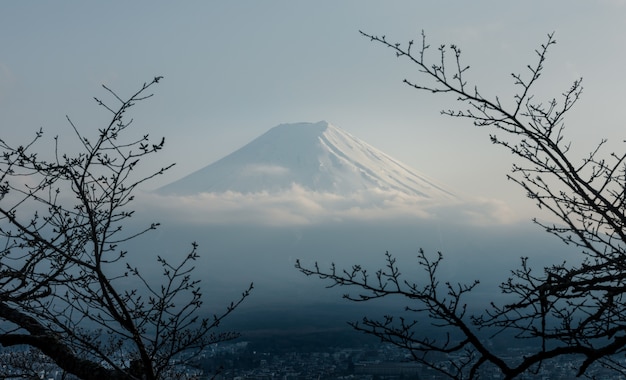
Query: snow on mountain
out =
(318, 157)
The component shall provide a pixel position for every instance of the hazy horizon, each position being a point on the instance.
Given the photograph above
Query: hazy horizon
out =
(234, 70)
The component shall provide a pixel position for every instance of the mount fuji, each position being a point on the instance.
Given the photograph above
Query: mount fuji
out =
(318, 157)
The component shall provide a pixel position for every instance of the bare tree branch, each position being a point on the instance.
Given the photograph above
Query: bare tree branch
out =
(63, 266)
(569, 309)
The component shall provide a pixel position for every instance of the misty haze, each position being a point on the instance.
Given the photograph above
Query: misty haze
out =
(312, 190)
(322, 195)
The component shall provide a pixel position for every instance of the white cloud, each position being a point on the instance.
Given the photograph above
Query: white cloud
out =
(258, 169)
(299, 206)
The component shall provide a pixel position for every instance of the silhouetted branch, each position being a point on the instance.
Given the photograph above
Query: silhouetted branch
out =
(63, 270)
(573, 309)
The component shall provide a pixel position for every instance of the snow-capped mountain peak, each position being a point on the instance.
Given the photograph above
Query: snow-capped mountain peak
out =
(315, 156)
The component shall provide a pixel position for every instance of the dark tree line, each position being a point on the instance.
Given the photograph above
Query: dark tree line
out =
(64, 269)
(573, 309)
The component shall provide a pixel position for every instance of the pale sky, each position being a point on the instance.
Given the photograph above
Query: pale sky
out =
(234, 69)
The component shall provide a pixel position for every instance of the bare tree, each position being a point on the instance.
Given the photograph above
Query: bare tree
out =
(576, 309)
(66, 286)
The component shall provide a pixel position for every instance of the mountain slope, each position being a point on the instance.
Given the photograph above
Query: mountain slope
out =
(316, 156)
